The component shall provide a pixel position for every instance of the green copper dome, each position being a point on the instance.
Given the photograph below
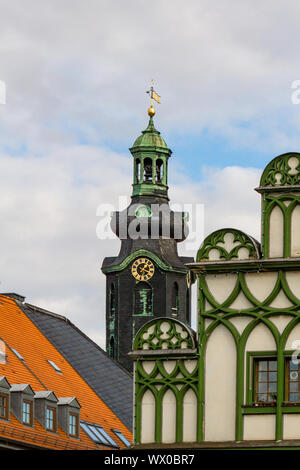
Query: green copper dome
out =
(150, 138)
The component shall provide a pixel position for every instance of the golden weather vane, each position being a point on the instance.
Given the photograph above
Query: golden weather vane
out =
(153, 96)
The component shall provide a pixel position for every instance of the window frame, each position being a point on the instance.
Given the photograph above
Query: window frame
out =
(30, 403)
(76, 416)
(287, 359)
(54, 410)
(5, 417)
(251, 357)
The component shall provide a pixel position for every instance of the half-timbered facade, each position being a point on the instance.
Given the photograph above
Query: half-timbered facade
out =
(238, 383)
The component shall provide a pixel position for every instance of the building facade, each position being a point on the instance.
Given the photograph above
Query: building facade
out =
(147, 279)
(237, 382)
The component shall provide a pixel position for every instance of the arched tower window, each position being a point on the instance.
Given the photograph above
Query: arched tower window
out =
(143, 299)
(112, 350)
(138, 170)
(159, 171)
(112, 299)
(175, 299)
(187, 301)
(148, 170)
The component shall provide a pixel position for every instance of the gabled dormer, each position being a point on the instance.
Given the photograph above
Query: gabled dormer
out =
(4, 399)
(46, 409)
(69, 415)
(22, 403)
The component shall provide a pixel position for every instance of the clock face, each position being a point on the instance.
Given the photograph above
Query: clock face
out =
(142, 269)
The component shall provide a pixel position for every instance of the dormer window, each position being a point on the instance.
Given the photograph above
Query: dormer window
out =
(4, 406)
(51, 418)
(27, 413)
(21, 403)
(69, 415)
(73, 424)
(45, 410)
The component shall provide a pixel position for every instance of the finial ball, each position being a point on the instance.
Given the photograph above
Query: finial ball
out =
(151, 111)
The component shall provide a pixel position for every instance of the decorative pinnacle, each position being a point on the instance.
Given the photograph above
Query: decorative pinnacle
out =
(153, 96)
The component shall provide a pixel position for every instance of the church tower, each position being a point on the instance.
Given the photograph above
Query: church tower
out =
(147, 279)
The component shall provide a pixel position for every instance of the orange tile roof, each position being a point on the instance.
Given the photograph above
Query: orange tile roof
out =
(18, 332)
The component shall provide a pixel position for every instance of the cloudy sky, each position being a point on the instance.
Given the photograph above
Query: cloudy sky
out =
(76, 74)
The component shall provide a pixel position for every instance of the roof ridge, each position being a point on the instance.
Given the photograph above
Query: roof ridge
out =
(61, 317)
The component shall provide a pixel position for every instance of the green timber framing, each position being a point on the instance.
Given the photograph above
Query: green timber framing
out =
(280, 187)
(259, 313)
(158, 381)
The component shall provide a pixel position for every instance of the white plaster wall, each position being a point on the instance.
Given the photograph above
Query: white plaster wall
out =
(189, 417)
(241, 302)
(221, 285)
(190, 365)
(293, 341)
(293, 280)
(259, 427)
(295, 232)
(169, 417)
(148, 418)
(220, 386)
(291, 426)
(229, 244)
(148, 366)
(281, 321)
(276, 233)
(169, 366)
(261, 284)
(281, 301)
(260, 339)
(240, 322)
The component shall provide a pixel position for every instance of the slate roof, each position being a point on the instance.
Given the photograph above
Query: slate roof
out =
(110, 381)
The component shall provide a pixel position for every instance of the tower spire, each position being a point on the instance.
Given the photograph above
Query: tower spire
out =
(153, 96)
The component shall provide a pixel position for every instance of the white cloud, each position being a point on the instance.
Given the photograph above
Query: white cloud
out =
(50, 252)
(76, 73)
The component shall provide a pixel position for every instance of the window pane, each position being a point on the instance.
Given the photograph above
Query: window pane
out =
(122, 438)
(262, 397)
(294, 375)
(272, 387)
(262, 376)
(294, 386)
(262, 387)
(266, 380)
(272, 365)
(262, 365)
(294, 365)
(272, 376)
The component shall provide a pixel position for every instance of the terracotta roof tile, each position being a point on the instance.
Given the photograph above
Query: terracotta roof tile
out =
(19, 332)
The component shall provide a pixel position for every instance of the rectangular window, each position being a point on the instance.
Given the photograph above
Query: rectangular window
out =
(265, 389)
(293, 381)
(51, 419)
(73, 425)
(4, 406)
(27, 413)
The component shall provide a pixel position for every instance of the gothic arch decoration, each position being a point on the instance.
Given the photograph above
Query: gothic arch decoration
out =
(227, 244)
(164, 334)
(283, 170)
